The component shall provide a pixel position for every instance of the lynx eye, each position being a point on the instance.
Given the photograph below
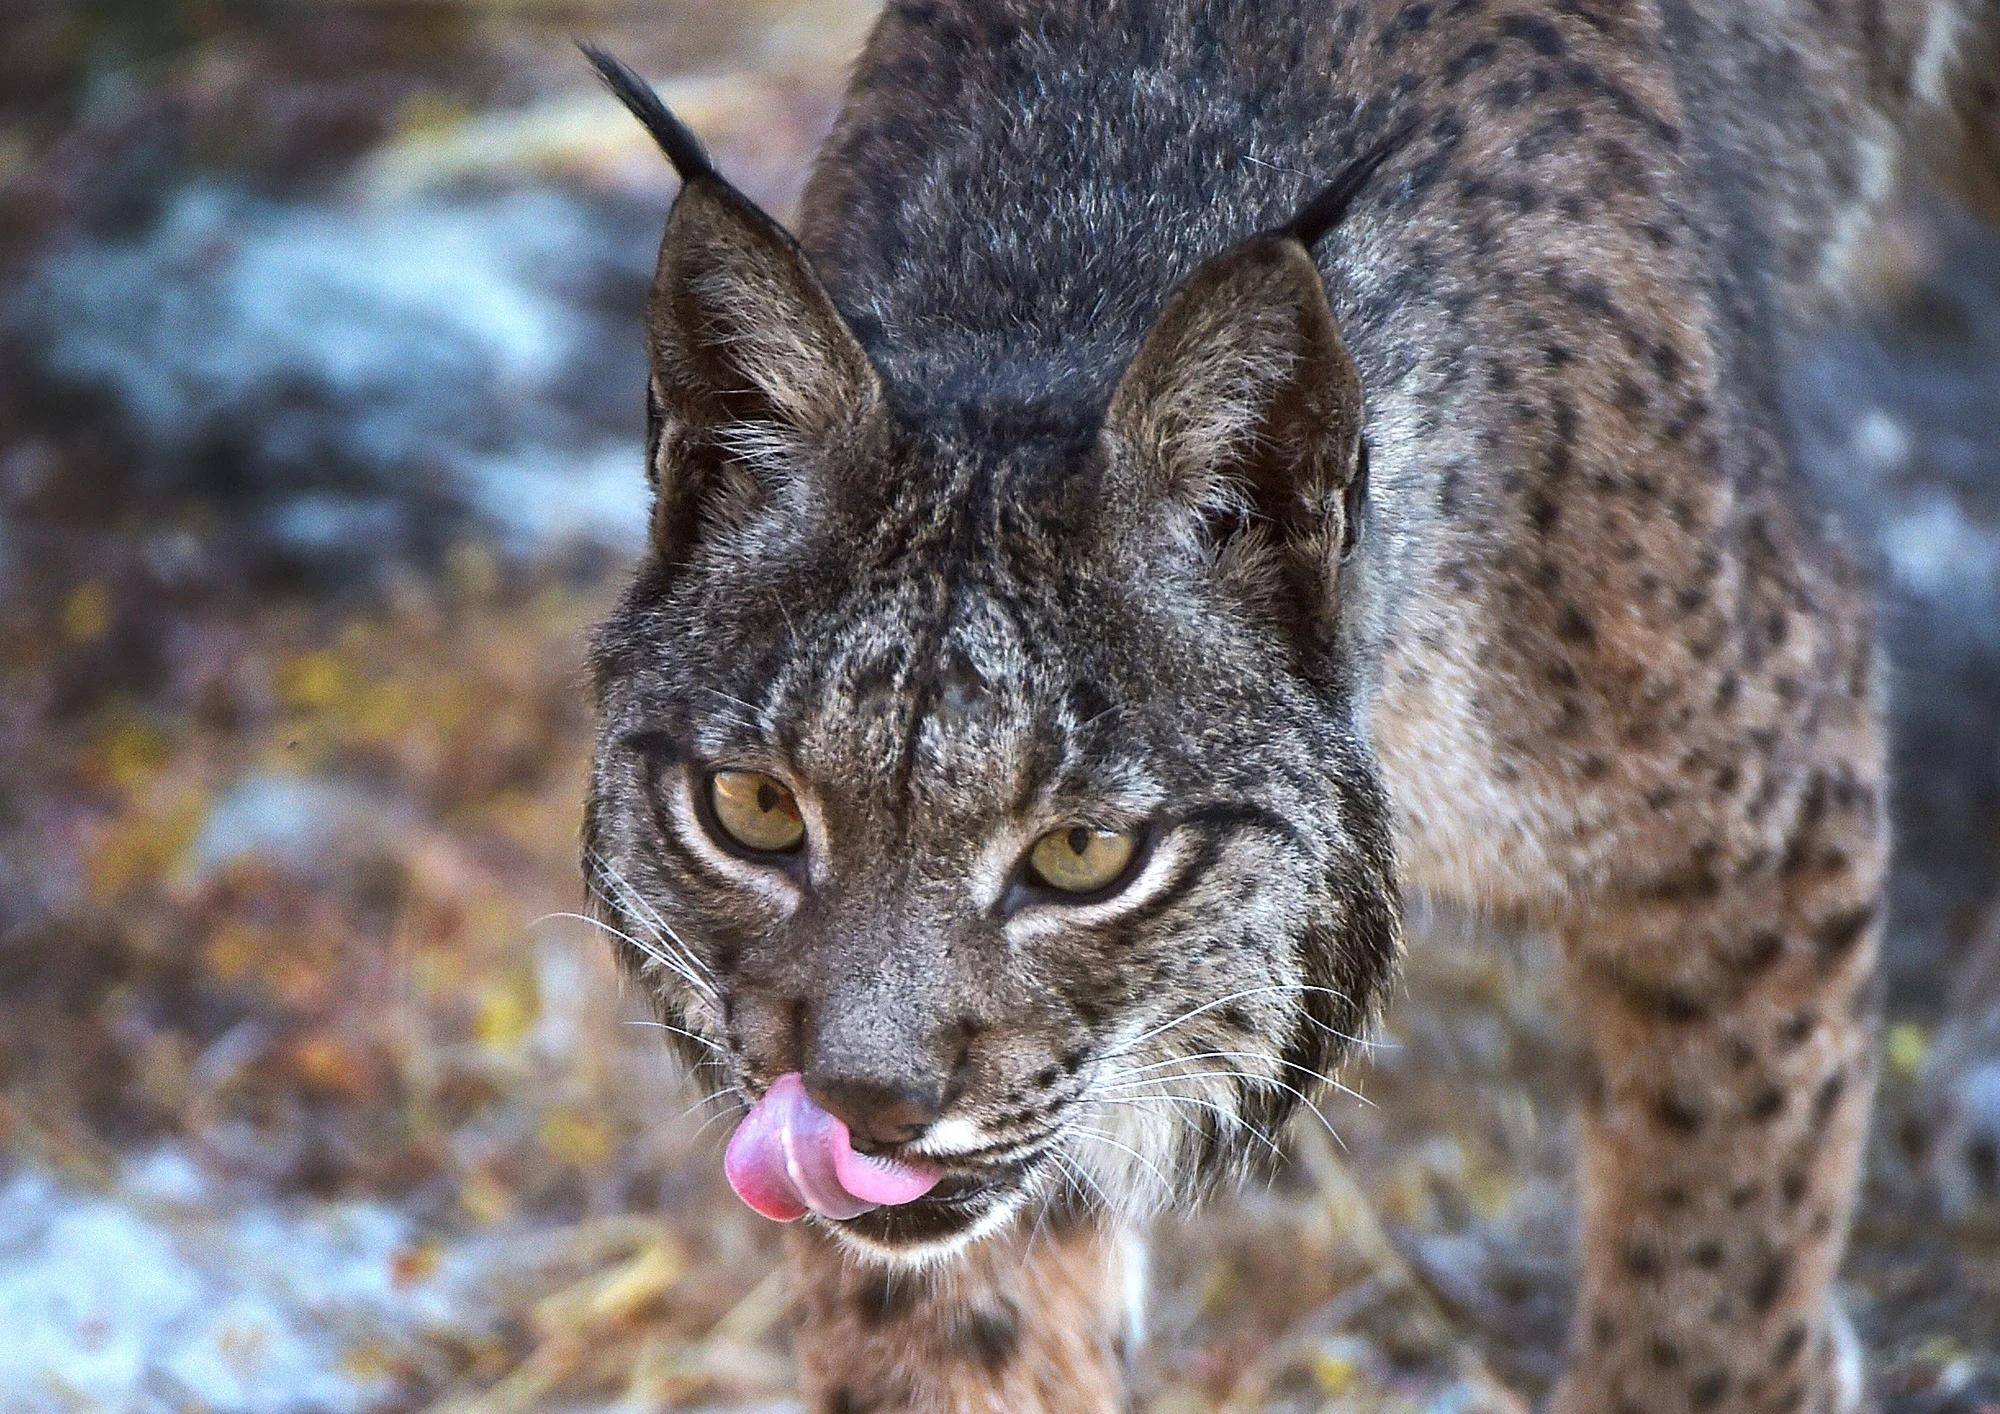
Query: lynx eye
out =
(756, 811)
(1078, 859)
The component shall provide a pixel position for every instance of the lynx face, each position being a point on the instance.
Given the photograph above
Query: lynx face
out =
(984, 757)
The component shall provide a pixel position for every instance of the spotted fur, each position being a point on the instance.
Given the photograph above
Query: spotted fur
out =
(1057, 472)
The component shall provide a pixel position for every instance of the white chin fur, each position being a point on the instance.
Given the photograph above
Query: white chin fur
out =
(949, 1138)
(907, 1256)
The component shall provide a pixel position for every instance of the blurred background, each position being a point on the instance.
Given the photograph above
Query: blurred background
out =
(319, 451)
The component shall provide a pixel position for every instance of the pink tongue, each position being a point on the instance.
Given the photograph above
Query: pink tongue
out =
(790, 1157)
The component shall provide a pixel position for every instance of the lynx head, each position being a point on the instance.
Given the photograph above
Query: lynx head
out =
(984, 754)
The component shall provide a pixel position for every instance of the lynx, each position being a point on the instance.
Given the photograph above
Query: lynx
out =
(1202, 471)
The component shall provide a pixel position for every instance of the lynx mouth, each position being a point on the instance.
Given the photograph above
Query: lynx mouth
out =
(959, 1207)
(790, 1157)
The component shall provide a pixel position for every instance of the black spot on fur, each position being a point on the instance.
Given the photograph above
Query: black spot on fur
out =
(1680, 1115)
(991, 1337)
(1544, 38)
(1575, 627)
(1839, 934)
(1759, 953)
(1708, 1390)
(1768, 1104)
(1660, 1002)
(1642, 1261)
(882, 1298)
(1412, 19)
(1768, 1284)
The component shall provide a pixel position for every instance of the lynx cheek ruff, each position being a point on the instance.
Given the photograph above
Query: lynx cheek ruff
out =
(789, 1157)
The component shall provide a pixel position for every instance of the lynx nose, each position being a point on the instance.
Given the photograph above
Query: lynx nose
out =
(877, 1113)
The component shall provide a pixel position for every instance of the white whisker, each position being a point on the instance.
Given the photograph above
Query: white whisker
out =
(1320, 1076)
(1234, 1120)
(678, 1031)
(1166, 1186)
(1209, 1006)
(635, 901)
(705, 1100)
(635, 906)
(1077, 1171)
(671, 962)
(702, 1128)
(1293, 1090)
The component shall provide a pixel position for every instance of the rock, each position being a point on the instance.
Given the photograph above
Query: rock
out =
(113, 1301)
(305, 823)
(352, 381)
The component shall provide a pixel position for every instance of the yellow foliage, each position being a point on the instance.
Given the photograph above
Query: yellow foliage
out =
(430, 113)
(506, 1010)
(86, 614)
(130, 753)
(1336, 1367)
(163, 1078)
(1404, 1196)
(439, 971)
(1491, 1191)
(1907, 1045)
(484, 1197)
(144, 848)
(1941, 1350)
(314, 682)
(581, 1140)
(473, 570)
(370, 1360)
(1219, 1287)
(234, 950)
(638, 1284)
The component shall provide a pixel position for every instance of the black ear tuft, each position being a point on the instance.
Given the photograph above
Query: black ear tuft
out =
(1325, 210)
(675, 138)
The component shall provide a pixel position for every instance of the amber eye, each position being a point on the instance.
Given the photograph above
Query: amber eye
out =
(756, 811)
(1078, 859)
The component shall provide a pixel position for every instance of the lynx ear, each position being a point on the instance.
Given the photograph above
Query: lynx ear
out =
(1243, 390)
(754, 371)
(1243, 410)
(744, 337)
(1243, 407)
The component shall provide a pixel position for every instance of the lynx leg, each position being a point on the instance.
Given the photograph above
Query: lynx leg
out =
(1036, 1321)
(1727, 1010)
